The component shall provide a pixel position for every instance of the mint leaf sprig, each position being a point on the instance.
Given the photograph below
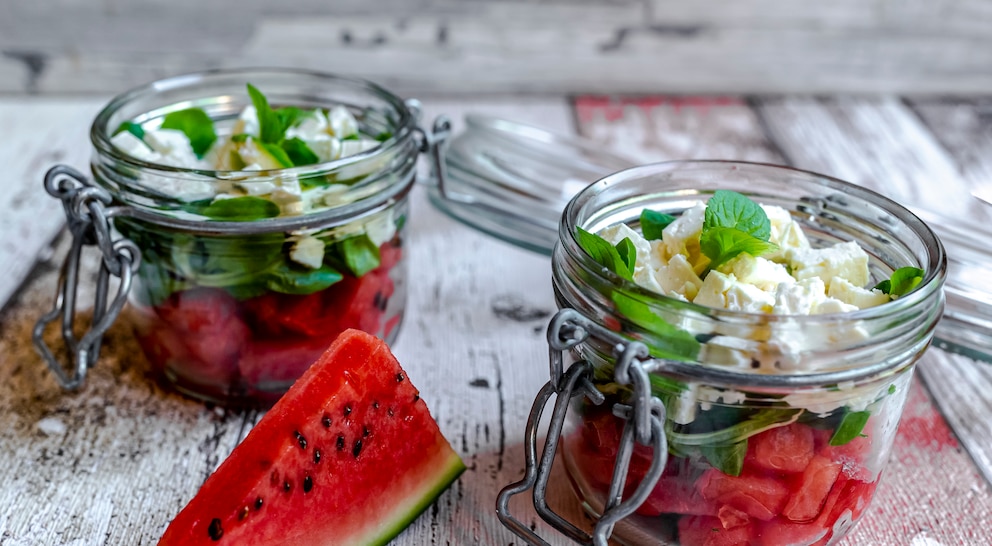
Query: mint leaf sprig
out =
(272, 126)
(902, 282)
(734, 224)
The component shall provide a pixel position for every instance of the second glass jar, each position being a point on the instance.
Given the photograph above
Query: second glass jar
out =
(790, 456)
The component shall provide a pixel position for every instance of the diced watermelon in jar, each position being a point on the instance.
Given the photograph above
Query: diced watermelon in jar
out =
(207, 322)
(782, 449)
(760, 497)
(810, 489)
(709, 531)
(782, 532)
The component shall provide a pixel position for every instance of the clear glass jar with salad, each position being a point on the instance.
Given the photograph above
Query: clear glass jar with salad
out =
(747, 335)
(269, 209)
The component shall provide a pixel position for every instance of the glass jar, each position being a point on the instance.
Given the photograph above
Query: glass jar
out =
(235, 298)
(698, 425)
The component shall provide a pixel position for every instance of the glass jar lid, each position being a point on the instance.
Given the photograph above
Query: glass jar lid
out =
(512, 181)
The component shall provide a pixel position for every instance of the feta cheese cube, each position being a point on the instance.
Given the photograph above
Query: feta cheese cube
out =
(785, 232)
(725, 292)
(314, 124)
(173, 146)
(288, 195)
(763, 273)
(134, 147)
(846, 260)
(799, 298)
(644, 265)
(308, 251)
(678, 278)
(353, 147)
(682, 236)
(247, 122)
(861, 298)
(341, 123)
(257, 187)
(326, 147)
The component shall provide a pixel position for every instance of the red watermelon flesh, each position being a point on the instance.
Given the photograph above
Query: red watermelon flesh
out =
(349, 455)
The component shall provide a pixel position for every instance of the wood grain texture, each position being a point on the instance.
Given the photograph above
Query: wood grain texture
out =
(47, 133)
(633, 46)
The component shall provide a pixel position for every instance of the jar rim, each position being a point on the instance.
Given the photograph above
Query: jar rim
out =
(370, 193)
(99, 129)
(934, 272)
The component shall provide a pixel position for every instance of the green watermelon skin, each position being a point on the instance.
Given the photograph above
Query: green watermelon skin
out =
(349, 455)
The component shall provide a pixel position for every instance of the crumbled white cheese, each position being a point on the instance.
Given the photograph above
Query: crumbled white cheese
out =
(845, 260)
(682, 236)
(762, 273)
(643, 271)
(341, 123)
(308, 251)
(726, 292)
(862, 298)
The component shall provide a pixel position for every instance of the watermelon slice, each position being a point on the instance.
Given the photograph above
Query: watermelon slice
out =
(349, 455)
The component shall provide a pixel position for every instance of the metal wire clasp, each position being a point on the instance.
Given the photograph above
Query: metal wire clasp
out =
(643, 419)
(88, 216)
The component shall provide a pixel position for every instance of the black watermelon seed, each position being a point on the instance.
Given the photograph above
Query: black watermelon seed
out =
(375, 404)
(357, 449)
(286, 486)
(389, 412)
(377, 300)
(399, 377)
(340, 442)
(307, 484)
(366, 432)
(347, 410)
(301, 440)
(416, 397)
(215, 530)
(243, 513)
(258, 503)
(326, 420)
(316, 456)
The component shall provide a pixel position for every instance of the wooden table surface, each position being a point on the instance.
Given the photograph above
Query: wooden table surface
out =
(112, 463)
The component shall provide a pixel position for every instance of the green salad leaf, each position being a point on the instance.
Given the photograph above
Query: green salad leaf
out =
(289, 116)
(653, 223)
(270, 128)
(850, 427)
(196, 125)
(246, 208)
(733, 224)
(902, 282)
(669, 342)
(608, 255)
(298, 153)
(290, 278)
(131, 127)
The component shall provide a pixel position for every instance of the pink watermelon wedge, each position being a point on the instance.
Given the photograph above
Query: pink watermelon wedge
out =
(349, 455)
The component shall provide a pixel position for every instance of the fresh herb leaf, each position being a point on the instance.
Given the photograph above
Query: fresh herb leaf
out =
(720, 244)
(604, 253)
(239, 209)
(653, 223)
(277, 153)
(733, 224)
(352, 136)
(850, 427)
(298, 152)
(628, 253)
(384, 136)
(240, 137)
(902, 282)
(669, 342)
(730, 209)
(289, 116)
(133, 128)
(196, 125)
(288, 278)
(270, 126)
(360, 254)
(727, 458)
(892, 389)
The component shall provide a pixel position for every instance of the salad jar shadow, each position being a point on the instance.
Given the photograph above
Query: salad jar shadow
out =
(247, 273)
(697, 425)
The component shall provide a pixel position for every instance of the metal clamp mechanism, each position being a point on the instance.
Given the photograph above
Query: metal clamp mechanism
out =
(644, 420)
(88, 216)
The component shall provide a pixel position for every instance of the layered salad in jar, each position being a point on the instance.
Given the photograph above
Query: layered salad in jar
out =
(744, 466)
(236, 316)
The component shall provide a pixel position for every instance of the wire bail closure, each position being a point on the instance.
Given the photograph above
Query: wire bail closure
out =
(643, 419)
(88, 212)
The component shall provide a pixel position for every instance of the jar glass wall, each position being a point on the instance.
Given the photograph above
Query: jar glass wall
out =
(239, 291)
(778, 426)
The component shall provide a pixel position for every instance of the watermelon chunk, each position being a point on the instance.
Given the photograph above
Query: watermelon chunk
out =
(782, 449)
(349, 455)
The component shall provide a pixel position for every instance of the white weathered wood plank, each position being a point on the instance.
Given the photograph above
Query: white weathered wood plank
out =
(40, 133)
(511, 46)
